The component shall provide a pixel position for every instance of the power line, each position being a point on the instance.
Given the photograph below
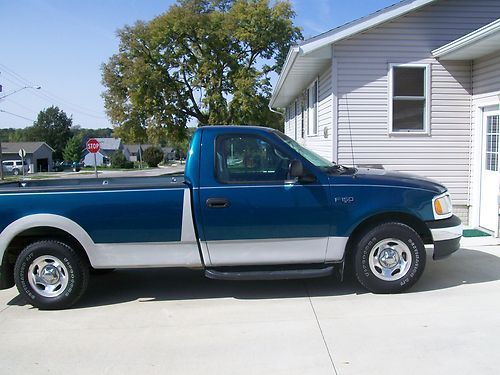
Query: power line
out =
(13, 114)
(21, 105)
(51, 97)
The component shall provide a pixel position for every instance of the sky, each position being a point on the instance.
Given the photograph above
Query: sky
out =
(60, 45)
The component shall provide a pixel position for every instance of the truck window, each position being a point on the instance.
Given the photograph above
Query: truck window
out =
(248, 158)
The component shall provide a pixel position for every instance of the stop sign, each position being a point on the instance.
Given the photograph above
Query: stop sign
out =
(93, 145)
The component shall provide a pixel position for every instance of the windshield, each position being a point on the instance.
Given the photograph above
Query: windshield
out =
(309, 155)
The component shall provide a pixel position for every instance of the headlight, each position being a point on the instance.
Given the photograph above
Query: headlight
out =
(442, 206)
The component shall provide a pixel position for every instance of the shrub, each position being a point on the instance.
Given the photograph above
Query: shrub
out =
(118, 160)
(153, 156)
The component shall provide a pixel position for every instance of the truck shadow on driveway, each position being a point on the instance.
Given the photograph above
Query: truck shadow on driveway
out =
(150, 285)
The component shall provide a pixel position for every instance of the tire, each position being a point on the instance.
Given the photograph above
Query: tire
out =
(15, 172)
(389, 258)
(50, 275)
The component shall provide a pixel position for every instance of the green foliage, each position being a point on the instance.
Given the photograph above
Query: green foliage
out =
(118, 160)
(181, 146)
(7, 135)
(204, 60)
(153, 156)
(84, 134)
(73, 150)
(51, 126)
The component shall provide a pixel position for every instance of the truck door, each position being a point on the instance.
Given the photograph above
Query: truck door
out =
(251, 213)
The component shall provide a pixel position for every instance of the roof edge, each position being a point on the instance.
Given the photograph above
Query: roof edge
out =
(293, 52)
(362, 24)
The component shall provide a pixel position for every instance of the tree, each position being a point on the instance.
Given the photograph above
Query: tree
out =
(73, 150)
(84, 134)
(207, 61)
(53, 127)
(153, 156)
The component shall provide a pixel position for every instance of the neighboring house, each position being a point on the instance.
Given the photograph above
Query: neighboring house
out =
(131, 151)
(108, 147)
(38, 154)
(414, 87)
(134, 152)
(169, 153)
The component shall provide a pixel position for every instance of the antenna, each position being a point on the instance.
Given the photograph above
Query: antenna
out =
(350, 131)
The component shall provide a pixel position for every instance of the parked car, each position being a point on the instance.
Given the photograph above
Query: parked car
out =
(283, 212)
(15, 167)
(65, 165)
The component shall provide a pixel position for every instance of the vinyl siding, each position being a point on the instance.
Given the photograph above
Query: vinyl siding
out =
(322, 142)
(486, 74)
(362, 65)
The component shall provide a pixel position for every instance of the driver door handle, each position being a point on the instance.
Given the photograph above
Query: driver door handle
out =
(217, 202)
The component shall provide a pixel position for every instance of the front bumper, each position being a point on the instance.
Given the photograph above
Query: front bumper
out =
(446, 235)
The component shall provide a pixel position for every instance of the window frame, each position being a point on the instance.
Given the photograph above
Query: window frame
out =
(427, 99)
(312, 126)
(222, 137)
(296, 118)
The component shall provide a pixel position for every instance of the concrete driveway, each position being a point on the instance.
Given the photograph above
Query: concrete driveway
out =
(178, 322)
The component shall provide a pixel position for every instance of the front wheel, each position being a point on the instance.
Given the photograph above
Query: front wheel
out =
(50, 275)
(15, 172)
(389, 258)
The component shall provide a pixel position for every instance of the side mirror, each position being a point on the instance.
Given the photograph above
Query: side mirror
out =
(296, 170)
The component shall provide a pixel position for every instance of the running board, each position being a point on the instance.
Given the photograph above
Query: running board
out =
(268, 273)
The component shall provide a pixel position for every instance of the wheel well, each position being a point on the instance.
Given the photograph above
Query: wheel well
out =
(31, 235)
(413, 222)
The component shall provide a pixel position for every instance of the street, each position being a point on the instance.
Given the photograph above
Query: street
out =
(177, 322)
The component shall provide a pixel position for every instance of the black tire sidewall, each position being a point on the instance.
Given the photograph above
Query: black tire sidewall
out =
(77, 277)
(398, 231)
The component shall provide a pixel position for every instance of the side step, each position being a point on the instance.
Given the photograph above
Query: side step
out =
(269, 272)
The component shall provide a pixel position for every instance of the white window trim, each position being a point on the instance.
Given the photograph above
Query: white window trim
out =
(316, 107)
(427, 93)
(296, 119)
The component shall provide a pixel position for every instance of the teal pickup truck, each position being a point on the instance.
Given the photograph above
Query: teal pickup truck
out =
(253, 204)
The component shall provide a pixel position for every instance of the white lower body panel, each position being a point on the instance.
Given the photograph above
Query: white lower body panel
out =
(276, 251)
(142, 255)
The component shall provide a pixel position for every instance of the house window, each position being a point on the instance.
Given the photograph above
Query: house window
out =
(492, 138)
(409, 99)
(312, 109)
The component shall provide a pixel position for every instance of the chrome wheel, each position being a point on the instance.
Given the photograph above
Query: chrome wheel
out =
(390, 259)
(48, 276)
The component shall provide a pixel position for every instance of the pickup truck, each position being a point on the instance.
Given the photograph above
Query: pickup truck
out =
(253, 204)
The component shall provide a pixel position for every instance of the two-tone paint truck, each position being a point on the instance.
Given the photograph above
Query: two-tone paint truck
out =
(252, 204)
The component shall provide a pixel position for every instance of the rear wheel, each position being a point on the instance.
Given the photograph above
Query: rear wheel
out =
(15, 172)
(50, 275)
(390, 258)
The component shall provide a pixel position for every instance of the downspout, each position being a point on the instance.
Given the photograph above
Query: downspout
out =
(471, 144)
(275, 111)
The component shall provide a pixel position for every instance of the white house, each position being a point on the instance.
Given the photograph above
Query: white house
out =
(108, 147)
(414, 87)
